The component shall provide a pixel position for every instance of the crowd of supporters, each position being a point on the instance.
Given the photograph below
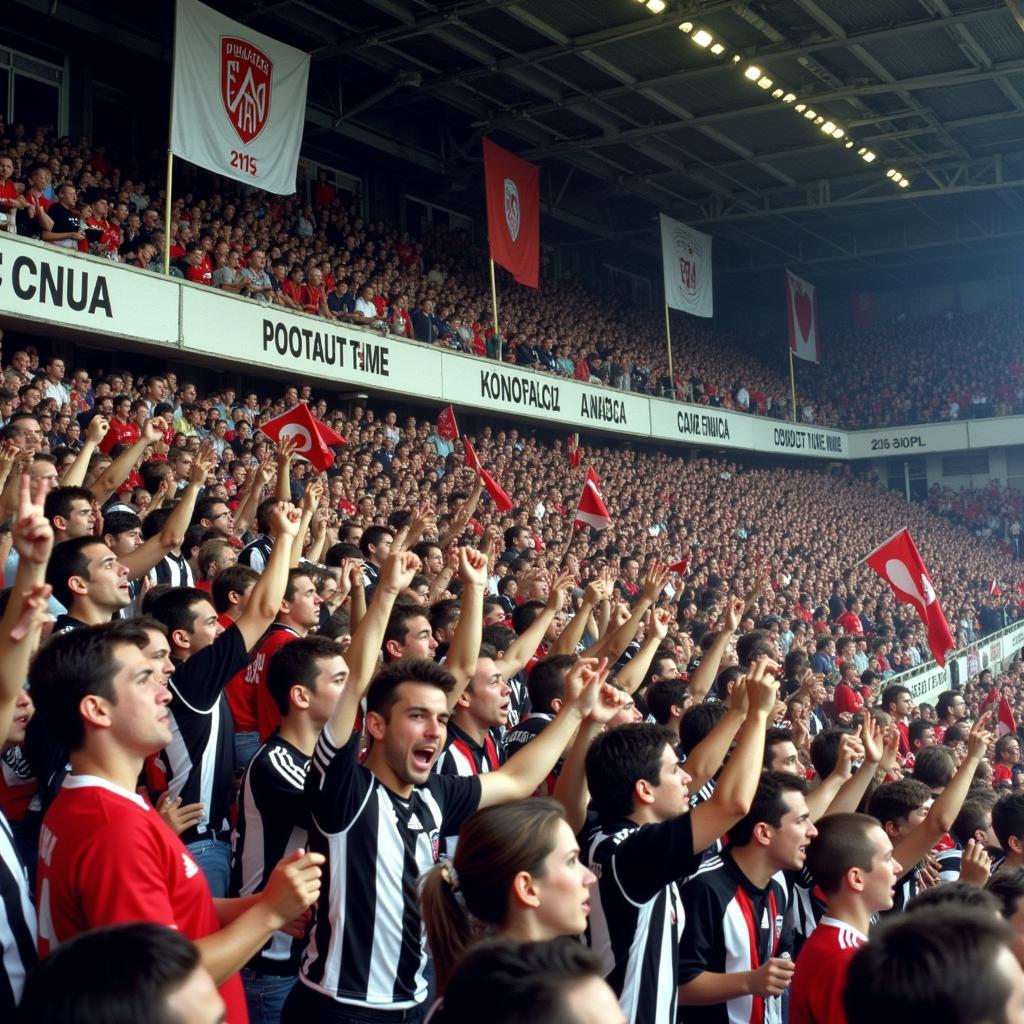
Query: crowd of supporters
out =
(324, 259)
(356, 745)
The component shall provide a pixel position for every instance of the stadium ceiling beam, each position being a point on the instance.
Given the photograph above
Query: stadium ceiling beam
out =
(934, 81)
(780, 51)
(102, 27)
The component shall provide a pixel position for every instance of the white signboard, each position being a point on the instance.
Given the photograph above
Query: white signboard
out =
(47, 284)
(913, 440)
(255, 334)
(695, 424)
(484, 384)
(803, 439)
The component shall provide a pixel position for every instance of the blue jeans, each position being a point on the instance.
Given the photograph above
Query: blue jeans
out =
(265, 995)
(246, 745)
(304, 1006)
(214, 857)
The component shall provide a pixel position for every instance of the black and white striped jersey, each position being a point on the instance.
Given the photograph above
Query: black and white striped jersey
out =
(273, 821)
(256, 553)
(17, 924)
(199, 762)
(636, 916)
(367, 945)
(172, 570)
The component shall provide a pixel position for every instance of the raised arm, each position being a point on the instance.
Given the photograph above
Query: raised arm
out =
(632, 674)
(310, 501)
(367, 638)
(705, 673)
(285, 457)
(265, 601)
(256, 480)
(570, 637)
(524, 647)
(118, 471)
(613, 644)
(74, 475)
(23, 617)
(522, 773)
(709, 755)
(465, 646)
(463, 516)
(737, 784)
(853, 789)
(822, 799)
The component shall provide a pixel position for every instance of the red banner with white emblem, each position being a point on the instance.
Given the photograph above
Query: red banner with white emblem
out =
(239, 99)
(513, 213)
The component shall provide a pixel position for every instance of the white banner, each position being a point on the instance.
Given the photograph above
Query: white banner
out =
(912, 440)
(309, 348)
(686, 259)
(46, 284)
(239, 99)
(695, 424)
(802, 318)
(799, 439)
(497, 387)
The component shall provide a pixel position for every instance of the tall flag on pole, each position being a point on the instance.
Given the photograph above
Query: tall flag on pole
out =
(502, 502)
(513, 213)
(686, 260)
(447, 428)
(592, 510)
(310, 436)
(899, 563)
(573, 450)
(802, 316)
(239, 99)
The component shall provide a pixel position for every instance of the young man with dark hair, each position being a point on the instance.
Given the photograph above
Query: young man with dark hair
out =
(105, 856)
(1008, 825)
(897, 701)
(381, 823)
(375, 544)
(851, 861)
(408, 633)
(304, 678)
(949, 709)
(199, 764)
(726, 973)
(122, 975)
(646, 838)
(939, 963)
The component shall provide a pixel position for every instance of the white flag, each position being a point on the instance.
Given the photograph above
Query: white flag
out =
(802, 316)
(239, 99)
(686, 257)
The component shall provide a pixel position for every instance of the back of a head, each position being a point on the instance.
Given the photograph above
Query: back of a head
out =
(697, 722)
(615, 762)
(843, 841)
(546, 681)
(935, 767)
(118, 975)
(1008, 819)
(508, 982)
(663, 695)
(944, 965)
(235, 579)
(753, 645)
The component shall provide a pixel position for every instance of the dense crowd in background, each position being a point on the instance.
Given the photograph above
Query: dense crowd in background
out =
(355, 745)
(323, 258)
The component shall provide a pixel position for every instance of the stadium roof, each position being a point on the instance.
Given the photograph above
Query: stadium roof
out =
(628, 115)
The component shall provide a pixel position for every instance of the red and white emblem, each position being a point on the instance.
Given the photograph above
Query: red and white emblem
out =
(245, 86)
(687, 263)
(512, 208)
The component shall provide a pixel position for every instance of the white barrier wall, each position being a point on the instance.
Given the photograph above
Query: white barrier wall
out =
(49, 286)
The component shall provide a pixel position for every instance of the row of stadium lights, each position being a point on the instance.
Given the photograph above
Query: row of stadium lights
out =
(704, 39)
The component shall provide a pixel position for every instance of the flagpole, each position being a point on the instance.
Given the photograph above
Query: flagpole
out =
(792, 385)
(167, 214)
(494, 309)
(572, 524)
(668, 346)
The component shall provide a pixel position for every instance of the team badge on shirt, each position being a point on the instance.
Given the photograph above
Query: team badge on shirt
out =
(191, 868)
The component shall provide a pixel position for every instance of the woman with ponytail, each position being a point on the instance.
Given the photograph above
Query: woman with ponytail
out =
(516, 873)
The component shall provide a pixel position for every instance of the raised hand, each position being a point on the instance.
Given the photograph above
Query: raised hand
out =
(610, 701)
(34, 615)
(472, 567)
(311, 498)
(980, 738)
(850, 750)
(655, 580)
(202, 466)
(583, 684)
(871, 737)
(398, 570)
(660, 620)
(762, 686)
(97, 429)
(975, 864)
(559, 588)
(733, 614)
(153, 430)
(284, 520)
(31, 532)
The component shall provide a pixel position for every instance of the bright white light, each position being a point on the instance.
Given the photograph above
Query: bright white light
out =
(828, 127)
(837, 133)
(717, 49)
(753, 73)
(849, 145)
(702, 37)
(656, 6)
(777, 95)
(736, 58)
(686, 26)
(890, 173)
(810, 114)
(788, 98)
(765, 83)
(869, 157)
(905, 183)
(800, 108)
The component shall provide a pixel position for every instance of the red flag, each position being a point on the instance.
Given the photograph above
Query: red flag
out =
(1005, 721)
(311, 437)
(592, 510)
(681, 566)
(447, 428)
(993, 589)
(513, 213)
(802, 316)
(573, 450)
(899, 563)
(501, 500)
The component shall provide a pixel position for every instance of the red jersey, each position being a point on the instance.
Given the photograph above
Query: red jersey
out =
(8, 191)
(119, 433)
(851, 624)
(106, 857)
(199, 275)
(312, 298)
(251, 705)
(816, 994)
(847, 700)
(293, 291)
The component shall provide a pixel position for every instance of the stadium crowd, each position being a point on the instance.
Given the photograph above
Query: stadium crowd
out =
(324, 259)
(356, 745)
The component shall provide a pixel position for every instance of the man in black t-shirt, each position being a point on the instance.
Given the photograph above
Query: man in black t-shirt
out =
(646, 839)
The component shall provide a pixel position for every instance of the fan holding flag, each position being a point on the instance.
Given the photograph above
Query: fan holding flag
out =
(310, 437)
